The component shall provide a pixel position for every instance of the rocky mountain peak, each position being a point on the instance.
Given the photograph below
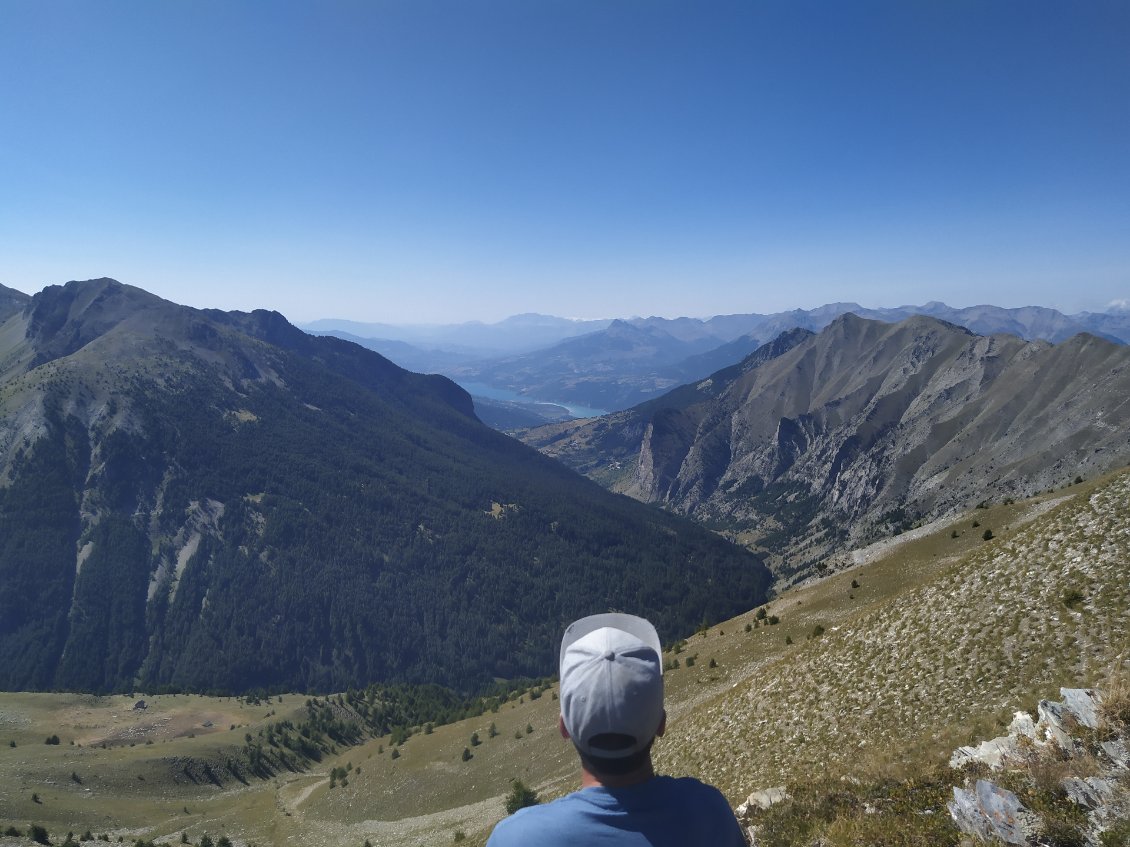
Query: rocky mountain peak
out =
(827, 440)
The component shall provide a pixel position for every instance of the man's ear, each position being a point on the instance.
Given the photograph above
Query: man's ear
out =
(564, 732)
(662, 725)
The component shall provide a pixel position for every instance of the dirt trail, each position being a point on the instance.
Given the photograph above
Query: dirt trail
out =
(292, 805)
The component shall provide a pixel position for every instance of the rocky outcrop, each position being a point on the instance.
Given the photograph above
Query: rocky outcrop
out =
(1073, 733)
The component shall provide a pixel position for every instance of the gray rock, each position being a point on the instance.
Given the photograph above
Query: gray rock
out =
(992, 753)
(1053, 718)
(1082, 704)
(1090, 793)
(989, 812)
(1022, 724)
(1117, 752)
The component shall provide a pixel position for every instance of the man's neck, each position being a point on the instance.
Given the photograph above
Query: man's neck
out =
(592, 780)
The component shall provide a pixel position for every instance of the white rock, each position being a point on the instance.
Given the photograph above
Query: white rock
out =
(765, 798)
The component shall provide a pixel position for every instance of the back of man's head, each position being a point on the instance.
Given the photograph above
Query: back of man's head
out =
(611, 690)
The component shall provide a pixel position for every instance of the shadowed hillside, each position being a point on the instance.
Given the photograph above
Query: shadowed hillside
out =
(218, 501)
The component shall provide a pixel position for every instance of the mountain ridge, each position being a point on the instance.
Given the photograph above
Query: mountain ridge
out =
(605, 367)
(217, 501)
(820, 440)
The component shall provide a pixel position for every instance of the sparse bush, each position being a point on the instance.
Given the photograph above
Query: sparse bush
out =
(987, 535)
(855, 583)
(774, 620)
(1116, 703)
(788, 639)
(976, 524)
(38, 834)
(52, 739)
(460, 835)
(520, 797)
(1073, 598)
(529, 729)
(395, 754)
(817, 631)
(954, 534)
(749, 627)
(1058, 833)
(475, 742)
(13, 832)
(467, 754)
(1117, 836)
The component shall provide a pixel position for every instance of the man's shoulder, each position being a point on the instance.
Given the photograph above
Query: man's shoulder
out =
(519, 827)
(658, 808)
(690, 787)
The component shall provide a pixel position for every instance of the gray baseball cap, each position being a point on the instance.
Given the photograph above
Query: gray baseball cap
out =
(611, 682)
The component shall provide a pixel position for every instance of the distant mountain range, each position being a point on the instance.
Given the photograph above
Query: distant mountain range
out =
(613, 365)
(516, 334)
(218, 501)
(820, 441)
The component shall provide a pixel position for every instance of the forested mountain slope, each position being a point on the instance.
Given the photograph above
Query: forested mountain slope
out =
(817, 440)
(218, 501)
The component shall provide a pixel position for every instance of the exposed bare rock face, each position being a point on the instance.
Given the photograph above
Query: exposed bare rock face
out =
(815, 441)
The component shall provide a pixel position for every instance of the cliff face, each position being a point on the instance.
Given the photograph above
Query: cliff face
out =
(862, 429)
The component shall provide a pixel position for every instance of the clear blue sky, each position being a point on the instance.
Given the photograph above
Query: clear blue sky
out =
(435, 161)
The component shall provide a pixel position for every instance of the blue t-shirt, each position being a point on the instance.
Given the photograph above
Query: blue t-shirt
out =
(662, 812)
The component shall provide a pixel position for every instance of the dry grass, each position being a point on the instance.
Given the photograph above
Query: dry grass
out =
(1115, 709)
(945, 656)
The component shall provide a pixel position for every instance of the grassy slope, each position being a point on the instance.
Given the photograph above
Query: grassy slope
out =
(932, 651)
(941, 642)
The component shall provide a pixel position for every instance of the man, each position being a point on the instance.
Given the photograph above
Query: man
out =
(612, 710)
